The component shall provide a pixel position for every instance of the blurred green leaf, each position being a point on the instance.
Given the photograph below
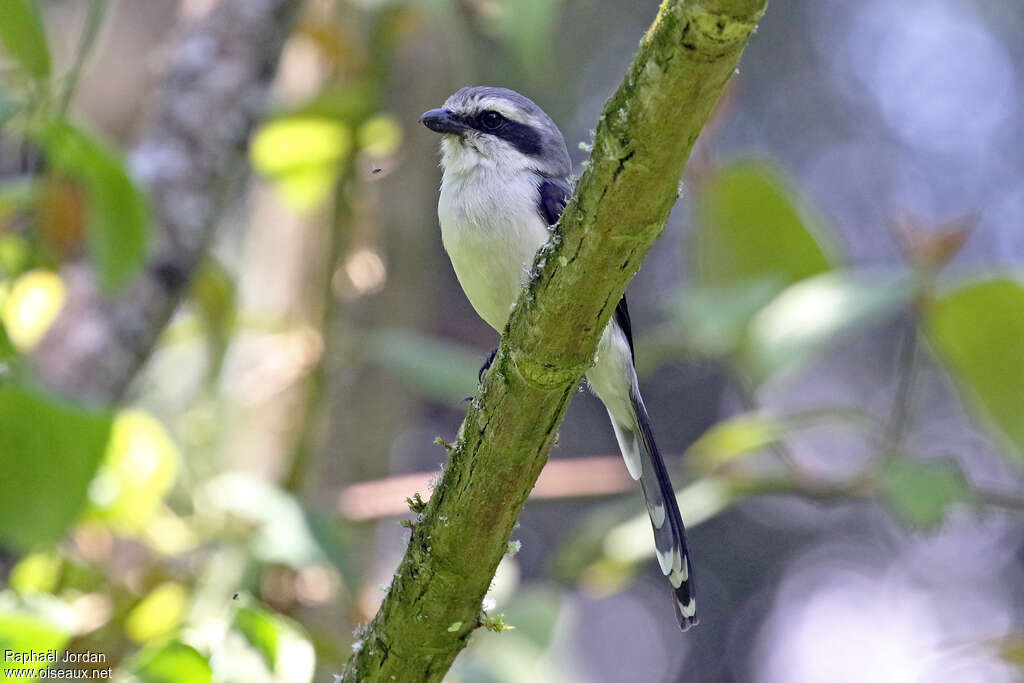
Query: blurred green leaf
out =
(979, 330)
(303, 156)
(338, 541)
(380, 136)
(140, 467)
(49, 455)
(215, 296)
(607, 576)
(534, 613)
(750, 432)
(7, 350)
(713, 318)
(260, 628)
(157, 614)
(24, 632)
(284, 648)
(213, 291)
(620, 534)
(23, 36)
(527, 29)
(14, 254)
(350, 103)
(437, 368)
(750, 225)
(282, 534)
(30, 307)
(173, 662)
(805, 317)
(118, 214)
(583, 545)
(734, 437)
(36, 573)
(920, 491)
(15, 194)
(519, 655)
(631, 541)
(1011, 649)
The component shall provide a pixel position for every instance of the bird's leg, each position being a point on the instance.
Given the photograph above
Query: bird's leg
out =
(483, 369)
(487, 364)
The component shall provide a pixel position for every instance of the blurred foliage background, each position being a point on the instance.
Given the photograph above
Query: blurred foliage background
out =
(829, 334)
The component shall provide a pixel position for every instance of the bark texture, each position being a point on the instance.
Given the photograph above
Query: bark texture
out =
(619, 209)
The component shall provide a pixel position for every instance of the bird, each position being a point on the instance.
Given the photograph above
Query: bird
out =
(505, 181)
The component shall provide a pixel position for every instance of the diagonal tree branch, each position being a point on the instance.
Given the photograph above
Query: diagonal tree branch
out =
(620, 207)
(212, 93)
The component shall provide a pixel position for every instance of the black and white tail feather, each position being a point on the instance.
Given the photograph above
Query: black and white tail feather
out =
(644, 462)
(639, 450)
(643, 459)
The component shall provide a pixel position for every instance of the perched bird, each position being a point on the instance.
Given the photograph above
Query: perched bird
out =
(505, 183)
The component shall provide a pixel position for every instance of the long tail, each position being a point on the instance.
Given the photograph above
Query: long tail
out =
(643, 459)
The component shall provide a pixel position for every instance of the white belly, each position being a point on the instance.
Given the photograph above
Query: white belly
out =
(491, 238)
(491, 230)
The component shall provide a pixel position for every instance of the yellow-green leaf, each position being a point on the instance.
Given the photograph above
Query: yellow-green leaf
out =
(23, 36)
(259, 628)
(733, 438)
(31, 306)
(49, 454)
(978, 329)
(750, 225)
(36, 573)
(173, 662)
(713, 318)
(302, 155)
(117, 219)
(140, 467)
(806, 316)
(920, 491)
(380, 136)
(282, 532)
(24, 633)
(286, 652)
(526, 28)
(158, 613)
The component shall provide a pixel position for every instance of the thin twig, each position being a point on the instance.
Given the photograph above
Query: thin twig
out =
(561, 479)
(93, 22)
(902, 410)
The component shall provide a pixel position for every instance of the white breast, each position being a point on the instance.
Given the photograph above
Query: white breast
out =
(491, 230)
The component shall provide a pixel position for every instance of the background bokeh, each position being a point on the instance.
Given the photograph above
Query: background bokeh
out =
(830, 333)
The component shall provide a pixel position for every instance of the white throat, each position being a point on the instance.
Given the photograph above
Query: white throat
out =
(490, 226)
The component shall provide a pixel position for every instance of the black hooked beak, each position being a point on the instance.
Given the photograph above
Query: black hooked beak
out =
(442, 121)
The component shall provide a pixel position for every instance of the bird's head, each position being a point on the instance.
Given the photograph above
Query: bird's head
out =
(497, 128)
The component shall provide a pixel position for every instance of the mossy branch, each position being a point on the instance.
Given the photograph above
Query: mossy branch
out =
(620, 207)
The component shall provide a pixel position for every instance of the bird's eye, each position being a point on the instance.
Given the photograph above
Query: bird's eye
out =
(491, 120)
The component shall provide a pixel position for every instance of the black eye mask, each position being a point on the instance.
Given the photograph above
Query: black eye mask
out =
(524, 138)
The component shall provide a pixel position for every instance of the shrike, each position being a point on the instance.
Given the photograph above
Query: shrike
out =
(505, 183)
